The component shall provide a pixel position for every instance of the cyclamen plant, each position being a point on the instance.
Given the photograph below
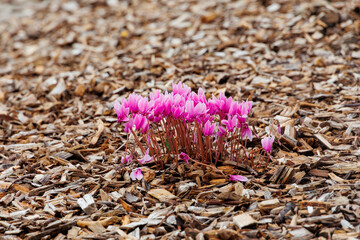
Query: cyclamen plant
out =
(184, 125)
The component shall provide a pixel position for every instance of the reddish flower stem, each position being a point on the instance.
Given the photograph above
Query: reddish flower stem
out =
(138, 142)
(198, 131)
(220, 148)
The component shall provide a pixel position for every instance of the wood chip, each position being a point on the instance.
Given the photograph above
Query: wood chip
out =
(269, 204)
(162, 194)
(100, 126)
(342, 168)
(243, 220)
(87, 204)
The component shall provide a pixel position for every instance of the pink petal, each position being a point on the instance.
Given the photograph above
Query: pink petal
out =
(117, 107)
(237, 178)
(184, 157)
(127, 159)
(136, 174)
(146, 158)
(267, 143)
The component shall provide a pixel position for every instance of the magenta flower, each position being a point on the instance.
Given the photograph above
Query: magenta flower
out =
(225, 103)
(267, 143)
(230, 123)
(184, 157)
(129, 125)
(124, 102)
(249, 106)
(238, 178)
(146, 158)
(159, 106)
(242, 119)
(246, 132)
(121, 112)
(192, 111)
(178, 100)
(138, 121)
(214, 105)
(233, 108)
(221, 131)
(141, 123)
(145, 126)
(201, 96)
(142, 104)
(167, 103)
(133, 101)
(244, 108)
(177, 112)
(145, 105)
(127, 159)
(136, 174)
(208, 128)
(181, 89)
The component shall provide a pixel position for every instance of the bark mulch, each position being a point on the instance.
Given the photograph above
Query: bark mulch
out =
(63, 63)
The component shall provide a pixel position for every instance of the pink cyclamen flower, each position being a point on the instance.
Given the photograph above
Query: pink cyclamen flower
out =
(246, 132)
(146, 158)
(267, 143)
(121, 112)
(177, 112)
(181, 89)
(214, 105)
(233, 108)
(230, 123)
(178, 100)
(127, 158)
(145, 126)
(244, 108)
(225, 103)
(133, 101)
(238, 178)
(192, 111)
(221, 131)
(129, 125)
(184, 157)
(136, 174)
(141, 123)
(279, 128)
(159, 106)
(145, 105)
(167, 103)
(208, 128)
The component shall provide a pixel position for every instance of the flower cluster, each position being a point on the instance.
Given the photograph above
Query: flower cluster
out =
(186, 125)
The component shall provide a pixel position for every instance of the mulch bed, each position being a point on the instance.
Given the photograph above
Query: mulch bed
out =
(64, 63)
